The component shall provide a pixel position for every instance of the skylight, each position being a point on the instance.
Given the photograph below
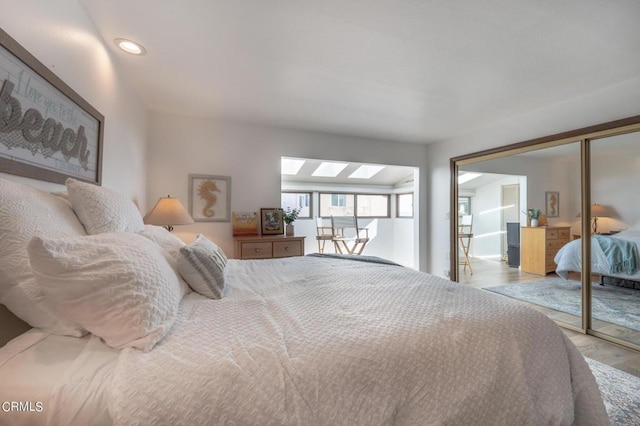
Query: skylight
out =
(291, 166)
(365, 172)
(329, 169)
(467, 177)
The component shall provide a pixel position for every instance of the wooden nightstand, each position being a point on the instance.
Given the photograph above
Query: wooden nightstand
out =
(268, 247)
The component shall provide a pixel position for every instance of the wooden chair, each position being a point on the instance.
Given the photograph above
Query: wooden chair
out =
(465, 234)
(347, 235)
(323, 234)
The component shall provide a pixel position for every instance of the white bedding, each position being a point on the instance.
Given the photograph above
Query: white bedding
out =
(569, 257)
(330, 341)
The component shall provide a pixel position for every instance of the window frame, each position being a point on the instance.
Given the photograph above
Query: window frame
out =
(355, 202)
(398, 215)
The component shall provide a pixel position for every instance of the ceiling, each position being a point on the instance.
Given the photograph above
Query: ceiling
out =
(403, 70)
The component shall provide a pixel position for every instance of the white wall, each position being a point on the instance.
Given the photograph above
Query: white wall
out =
(60, 35)
(597, 107)
(250, 154)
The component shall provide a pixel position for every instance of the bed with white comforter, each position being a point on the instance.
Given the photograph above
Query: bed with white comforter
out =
(131, 326)
(569, 257)
(329, 341)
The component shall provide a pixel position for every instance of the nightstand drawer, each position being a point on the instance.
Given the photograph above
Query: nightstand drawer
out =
(256, 250)
(287, 248)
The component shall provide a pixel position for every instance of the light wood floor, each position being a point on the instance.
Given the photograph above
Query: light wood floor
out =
(489, 273)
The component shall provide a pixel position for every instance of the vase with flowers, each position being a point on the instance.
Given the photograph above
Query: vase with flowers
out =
(290, 215)
(533, 215)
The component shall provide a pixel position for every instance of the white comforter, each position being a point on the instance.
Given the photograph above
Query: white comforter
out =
(308, 341)
(569, 257)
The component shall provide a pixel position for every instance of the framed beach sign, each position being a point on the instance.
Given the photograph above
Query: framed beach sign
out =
(210, 198)
(47, 130)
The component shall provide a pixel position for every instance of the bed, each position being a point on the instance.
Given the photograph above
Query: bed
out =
(305, 340)
(611, 255)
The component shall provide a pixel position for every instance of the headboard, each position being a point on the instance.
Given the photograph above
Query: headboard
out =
(10, 325)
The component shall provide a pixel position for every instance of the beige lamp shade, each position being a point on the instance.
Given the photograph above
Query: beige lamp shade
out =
(168, 212)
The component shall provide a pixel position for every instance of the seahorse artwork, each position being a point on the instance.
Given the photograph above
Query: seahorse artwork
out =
(206, 192)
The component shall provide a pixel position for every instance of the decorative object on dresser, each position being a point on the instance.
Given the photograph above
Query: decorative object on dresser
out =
(268, 247)
(167, 212)
(538, 247)
(59, 135)
(552, 203)
(272, 221)
(245, 224)
(533, 216)
(210, 198)
(290, 215)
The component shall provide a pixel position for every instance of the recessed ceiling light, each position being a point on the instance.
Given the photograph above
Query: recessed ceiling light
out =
(291, 166)
(365, 172)
(130, 46)
(329, 169)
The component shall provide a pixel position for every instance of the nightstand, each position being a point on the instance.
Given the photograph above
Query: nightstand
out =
(268, 247)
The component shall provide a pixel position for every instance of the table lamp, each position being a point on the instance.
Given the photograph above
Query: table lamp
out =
(168, 212)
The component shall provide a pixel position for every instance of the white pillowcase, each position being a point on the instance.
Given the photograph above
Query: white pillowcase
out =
(171, 244)
(118, 286)
(202, 265)
(24, 213)
(102, 209)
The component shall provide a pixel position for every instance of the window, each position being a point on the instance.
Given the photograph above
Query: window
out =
(337, 204)
(404, 205)
(370, 205)
(464, 205)
(362, 205)
(298, 200)
(338, 200)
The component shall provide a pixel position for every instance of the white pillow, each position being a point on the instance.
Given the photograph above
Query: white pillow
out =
(102, 209)
(171, 244)
(202, 264)
(24, 213)
(118, 286)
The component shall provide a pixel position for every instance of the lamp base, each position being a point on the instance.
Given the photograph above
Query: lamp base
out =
(168, 228)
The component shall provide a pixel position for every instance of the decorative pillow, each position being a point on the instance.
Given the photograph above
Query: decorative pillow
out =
(202, 264)
(102, 209)
(171, 244)
(118, 286)
(24, 213)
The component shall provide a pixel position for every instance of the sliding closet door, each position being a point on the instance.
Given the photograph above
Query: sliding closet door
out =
(615, 210)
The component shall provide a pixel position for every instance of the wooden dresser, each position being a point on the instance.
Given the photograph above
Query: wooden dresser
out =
(268, 247)
(538, 247)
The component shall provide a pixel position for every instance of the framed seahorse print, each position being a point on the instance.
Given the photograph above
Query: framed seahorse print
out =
(210, 198)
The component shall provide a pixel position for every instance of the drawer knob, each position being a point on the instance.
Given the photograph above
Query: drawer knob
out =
(257, 250)
(286, 248)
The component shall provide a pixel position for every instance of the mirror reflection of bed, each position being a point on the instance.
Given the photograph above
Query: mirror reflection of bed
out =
(615, 175)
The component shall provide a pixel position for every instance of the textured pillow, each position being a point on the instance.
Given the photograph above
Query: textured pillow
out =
(202, 264)
(102, 209)
(171, 244)
(118, 286)
(24, 213)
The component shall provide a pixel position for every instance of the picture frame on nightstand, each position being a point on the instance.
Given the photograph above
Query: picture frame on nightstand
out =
(271, 221)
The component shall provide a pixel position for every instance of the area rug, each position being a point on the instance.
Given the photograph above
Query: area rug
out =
(616, 305)
(620, 392)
